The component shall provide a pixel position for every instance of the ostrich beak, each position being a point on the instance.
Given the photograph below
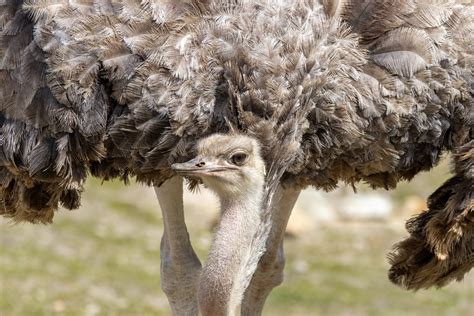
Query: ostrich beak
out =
(199, 166)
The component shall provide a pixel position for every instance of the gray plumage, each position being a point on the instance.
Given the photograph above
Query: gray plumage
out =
(348, 91)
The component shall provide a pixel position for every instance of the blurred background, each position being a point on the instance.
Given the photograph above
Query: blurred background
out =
(103, 259)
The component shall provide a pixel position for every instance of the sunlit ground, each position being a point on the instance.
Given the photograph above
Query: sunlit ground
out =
(104, 260)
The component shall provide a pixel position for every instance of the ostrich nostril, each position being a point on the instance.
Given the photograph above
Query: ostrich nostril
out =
(201, 164)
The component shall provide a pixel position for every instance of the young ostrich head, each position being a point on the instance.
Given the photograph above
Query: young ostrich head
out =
(231, 166)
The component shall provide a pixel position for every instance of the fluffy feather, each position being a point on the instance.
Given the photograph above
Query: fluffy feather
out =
(373, 91)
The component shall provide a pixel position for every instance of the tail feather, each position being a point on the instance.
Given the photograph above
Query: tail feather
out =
(441, 243)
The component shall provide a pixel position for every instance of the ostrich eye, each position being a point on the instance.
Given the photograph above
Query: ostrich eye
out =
(238, 158)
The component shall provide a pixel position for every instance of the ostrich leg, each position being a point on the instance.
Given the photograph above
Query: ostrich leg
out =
(269, 273)
(180, 267)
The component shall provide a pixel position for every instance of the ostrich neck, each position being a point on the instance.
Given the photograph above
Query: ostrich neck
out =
(224, 276)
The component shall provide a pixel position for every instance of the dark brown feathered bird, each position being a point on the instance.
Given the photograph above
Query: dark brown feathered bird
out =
(348, 91)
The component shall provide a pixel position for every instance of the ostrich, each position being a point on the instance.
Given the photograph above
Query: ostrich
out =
(323, 92)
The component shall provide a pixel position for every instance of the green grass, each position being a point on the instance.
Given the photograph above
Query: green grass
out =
(104, 260)
(348, 277)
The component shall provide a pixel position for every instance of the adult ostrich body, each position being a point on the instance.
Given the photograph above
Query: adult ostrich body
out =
(348, 91)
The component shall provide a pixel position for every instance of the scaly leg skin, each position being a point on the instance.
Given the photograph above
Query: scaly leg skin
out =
(180, 266)
(269, 273)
